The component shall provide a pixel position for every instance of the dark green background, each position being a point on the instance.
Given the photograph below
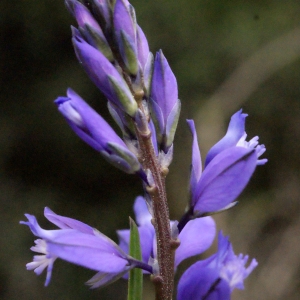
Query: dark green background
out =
(226, 55)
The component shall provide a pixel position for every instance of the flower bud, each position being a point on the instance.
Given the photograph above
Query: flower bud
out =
(164, 101)
(125, 33)
(104, 75)
(96, 132)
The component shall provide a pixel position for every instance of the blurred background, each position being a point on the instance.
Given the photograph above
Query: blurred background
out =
(226, 55)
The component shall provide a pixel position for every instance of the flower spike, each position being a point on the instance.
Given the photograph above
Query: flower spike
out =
(142, 95)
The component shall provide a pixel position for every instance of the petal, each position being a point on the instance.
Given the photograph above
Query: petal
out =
(82, 14)
(67, 223)
(125, 34)
(224, 179)
(146, 240)
(196, 169)
(148, 74)
(99, 129)
(164, 85)
(95, 64)
(88, 256)
(142, 215)
(38, 231)
(233, 267)
(143, 47)
(198, 281)
(234, 132)
(86, 122)
(123, 20)
(196, 237)
(102, 9)
(171, 125)
(73, 237)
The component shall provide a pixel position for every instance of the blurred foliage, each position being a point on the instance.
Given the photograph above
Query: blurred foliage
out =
(43, 163)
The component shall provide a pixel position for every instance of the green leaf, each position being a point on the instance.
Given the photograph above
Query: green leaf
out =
(135, 283)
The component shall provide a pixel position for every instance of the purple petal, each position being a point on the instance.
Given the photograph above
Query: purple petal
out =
(232, 267)
(198, 281)
(67, 223)
(102, 9)
(148, 74)
(123, 21)
(143, 47)
(171, 125)
(73, 237)
(84, 251)
(195, 238)
(38, 231)
(146, 240)
(82, 14)
(77, 238)
(224, 179)
(234, 132)
(142, 215)
(196, 169)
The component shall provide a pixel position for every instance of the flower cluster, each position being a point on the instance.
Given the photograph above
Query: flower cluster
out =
(142, 96)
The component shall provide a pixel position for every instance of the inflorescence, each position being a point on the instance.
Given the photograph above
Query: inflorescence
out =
(142, 95)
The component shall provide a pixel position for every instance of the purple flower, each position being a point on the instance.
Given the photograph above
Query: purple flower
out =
(217, 276)
(164, 101)
(195, 238)
(231, 163)
(80, 244)
(104, 75)
(95, 131)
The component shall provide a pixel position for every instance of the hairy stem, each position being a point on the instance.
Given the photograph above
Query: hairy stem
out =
(161, 220)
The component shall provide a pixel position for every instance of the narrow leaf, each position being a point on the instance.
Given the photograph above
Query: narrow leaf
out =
(135, 283)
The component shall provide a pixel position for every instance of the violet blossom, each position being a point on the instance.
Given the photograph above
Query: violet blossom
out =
(80, 244)
(229, 167)
(217, 276)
